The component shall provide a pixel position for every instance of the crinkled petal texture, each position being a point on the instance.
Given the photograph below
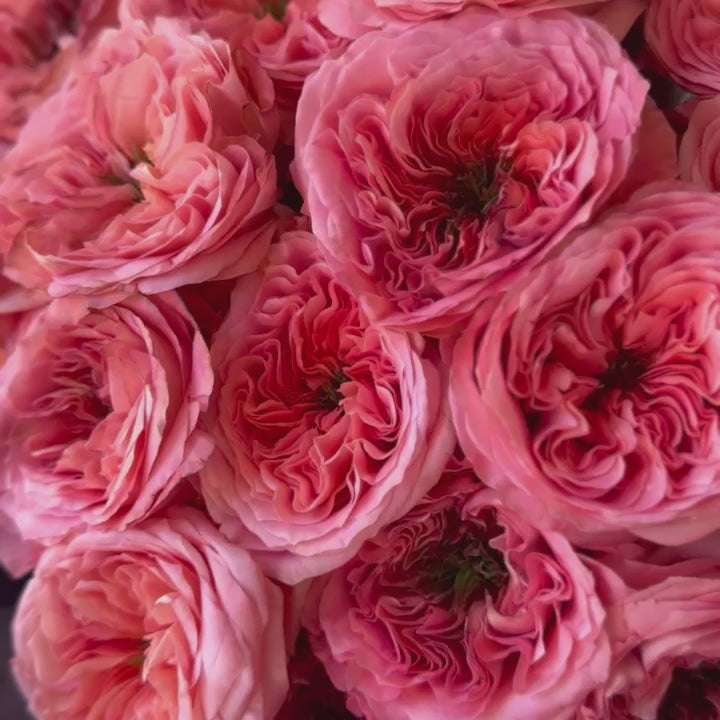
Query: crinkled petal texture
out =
(594, 388)
(149, 168)
(99, 417)
(326, 428)
(461, 610)
(166, 621)
(685, 37)
(700, 146)
(440, 163)
(352, 18)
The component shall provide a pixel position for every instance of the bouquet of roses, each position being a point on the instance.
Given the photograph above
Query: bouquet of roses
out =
(361, 358)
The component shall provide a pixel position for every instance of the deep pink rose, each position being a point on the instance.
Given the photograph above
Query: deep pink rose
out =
(700, 146)
(150, 168)
(440, 163)
(166, 621)
(352, 18)
(685, 37)
(591, 394)
(326, 428)
(460, 610)
(99, 417)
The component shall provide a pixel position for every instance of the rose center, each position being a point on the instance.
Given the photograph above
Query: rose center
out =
(478, 189)
(624, 371)
(138, 660)
(330, 394)
(465, 567)
(276, 8)
(687, 697)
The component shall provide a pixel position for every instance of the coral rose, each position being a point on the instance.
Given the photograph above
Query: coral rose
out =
(685, 37)
(461, 610)
(150, 168)
(165, 621)
(99, 417)
(592, 391)
(326, 428)
(700, 146)
(440, 163)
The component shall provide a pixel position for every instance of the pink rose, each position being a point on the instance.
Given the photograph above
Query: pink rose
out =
(441, 163)
(352, 18)
(590, 395)
(99, 417)
(460, 610)
(290, 50)
(670, 621)
(326, 428)
(34, 53)
(165, 621)
(685, 37)
(700, 146)
(149, 169)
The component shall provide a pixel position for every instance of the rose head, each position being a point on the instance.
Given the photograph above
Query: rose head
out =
(593, 388)
(31, 58)
(670, 665)
(326, 428)
(290, 49)
(460, 610)
(99, 416)
(685, 37)
(700, 147)
(352, 18)
(150, 168)
(441, 162)
(164, 621)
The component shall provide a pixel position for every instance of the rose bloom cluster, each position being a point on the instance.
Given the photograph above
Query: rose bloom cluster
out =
(360, 359)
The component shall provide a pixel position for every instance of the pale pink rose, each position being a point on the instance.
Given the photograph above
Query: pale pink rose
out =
(685, 37)
(700, 146)
(150, 168)
(167, 621)
(352, 18)
(99, 416)
(589, 397)
(461, 610)
(326, 428)
(441, 163)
